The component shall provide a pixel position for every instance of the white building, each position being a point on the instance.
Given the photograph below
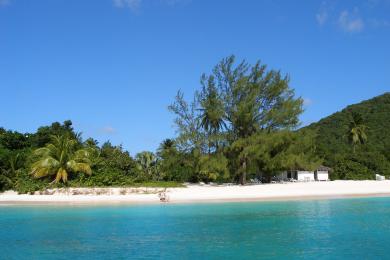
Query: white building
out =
(379, 177)
(300, 175)
(321, 174)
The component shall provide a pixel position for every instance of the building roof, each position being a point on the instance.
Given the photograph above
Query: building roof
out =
(323, 168)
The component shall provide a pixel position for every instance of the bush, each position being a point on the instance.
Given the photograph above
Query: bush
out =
(159, 184)
(102, 178)
(213, 167)
(25, 183)
(351, 170)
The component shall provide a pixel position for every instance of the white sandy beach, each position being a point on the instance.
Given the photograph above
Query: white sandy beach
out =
(205, 193)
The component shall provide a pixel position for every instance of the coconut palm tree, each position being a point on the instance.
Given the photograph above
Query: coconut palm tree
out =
(59, 158)
(5, 179)
(9, 176)
(167, 144)
(357, 131)
(147, 164)
(212, 110)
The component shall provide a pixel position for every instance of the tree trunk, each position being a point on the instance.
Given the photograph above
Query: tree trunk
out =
(209, 143)
(243, 174)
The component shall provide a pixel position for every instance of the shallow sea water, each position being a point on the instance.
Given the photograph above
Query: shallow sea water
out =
(356, 228)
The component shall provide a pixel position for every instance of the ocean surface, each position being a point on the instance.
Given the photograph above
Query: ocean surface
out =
(319, 229)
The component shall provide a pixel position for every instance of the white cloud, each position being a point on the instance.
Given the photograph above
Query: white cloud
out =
(376, 3)
(175, 2)
(377, 23)
(385, 23)
(108, 130)
(132, 4)
(4, 2)
(307, 101)
(322, 15)
(351, 21)
(135, 5)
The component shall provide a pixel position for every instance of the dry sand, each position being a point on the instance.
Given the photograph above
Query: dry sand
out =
(205, 193)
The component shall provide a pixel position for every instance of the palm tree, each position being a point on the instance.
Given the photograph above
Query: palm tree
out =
(167, 144)
(5, 179)
(147, 163)
(357, 131)
(212, 110)
(59, 158)
(9, 176)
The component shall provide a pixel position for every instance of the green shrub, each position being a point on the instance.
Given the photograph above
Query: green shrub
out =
(351, 170)
(102, 178)
(25, 183)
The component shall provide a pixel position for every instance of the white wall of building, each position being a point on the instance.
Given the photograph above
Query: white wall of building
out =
(322, 175)
(305, 176)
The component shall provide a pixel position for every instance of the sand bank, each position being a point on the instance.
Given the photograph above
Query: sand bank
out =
(204, 193)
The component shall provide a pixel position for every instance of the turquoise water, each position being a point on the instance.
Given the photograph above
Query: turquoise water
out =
(322, 229)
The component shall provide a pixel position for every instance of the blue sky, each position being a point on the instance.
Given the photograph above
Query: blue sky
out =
(113, 66)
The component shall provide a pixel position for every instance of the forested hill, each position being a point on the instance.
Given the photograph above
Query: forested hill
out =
(369, 158)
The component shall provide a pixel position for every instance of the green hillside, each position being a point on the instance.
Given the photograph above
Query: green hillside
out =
(369, 158)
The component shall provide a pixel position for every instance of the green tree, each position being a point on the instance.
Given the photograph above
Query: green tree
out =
(166, 145)
(148, 165)
(190, 134)
(115, 157)
(175, 165)
(8, 173)
(357, 131)
(256, 100)
(213, 167)
(44, 134)
(13, 140)
(212, 111)
(244, 100)
(334, 142)
(59, 158)
(268, 153)
(348, 169)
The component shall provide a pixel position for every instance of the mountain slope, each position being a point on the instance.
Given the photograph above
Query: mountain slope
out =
(370, 158)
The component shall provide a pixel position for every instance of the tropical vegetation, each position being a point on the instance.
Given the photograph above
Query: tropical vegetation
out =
(242, 123)
(355, 142)
(59, 158)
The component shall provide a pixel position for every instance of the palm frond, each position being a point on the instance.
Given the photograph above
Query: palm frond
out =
(44, 167)
(48, 162)
(42, 151)
(5, 179)
(59, 157)
(83, 155)
(41, 172)
(79, 167)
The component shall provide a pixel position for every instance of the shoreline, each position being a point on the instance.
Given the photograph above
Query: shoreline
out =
(210, 201)
(209, 194)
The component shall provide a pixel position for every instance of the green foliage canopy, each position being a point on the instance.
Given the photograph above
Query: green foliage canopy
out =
(370, 122)
(60, 158)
